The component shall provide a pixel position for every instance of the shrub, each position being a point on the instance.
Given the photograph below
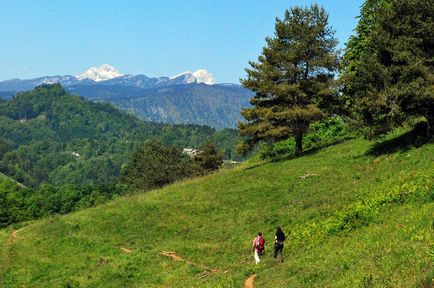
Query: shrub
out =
(154, 165)
(209, 158)
(321, 134)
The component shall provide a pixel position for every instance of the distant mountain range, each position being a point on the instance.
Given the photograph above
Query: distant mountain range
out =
(189, 97)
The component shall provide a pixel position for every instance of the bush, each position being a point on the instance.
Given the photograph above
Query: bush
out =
(321, 134)
(12, 203)
(209, 158)
(20, 204)
(154, 165)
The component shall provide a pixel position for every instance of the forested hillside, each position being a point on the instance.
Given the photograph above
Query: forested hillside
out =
(217, 106)
(48, 135)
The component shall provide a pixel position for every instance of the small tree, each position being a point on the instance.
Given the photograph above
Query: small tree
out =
(209, 158)
(153, 165)
(293, 80)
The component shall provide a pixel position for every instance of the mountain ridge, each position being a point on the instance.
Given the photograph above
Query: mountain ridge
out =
(194, 98)
(102, 75)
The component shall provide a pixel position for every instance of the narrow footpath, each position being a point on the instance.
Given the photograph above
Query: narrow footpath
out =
(249, 281)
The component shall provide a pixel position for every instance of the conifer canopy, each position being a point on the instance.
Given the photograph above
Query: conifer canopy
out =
(387, 72)
(292, 80)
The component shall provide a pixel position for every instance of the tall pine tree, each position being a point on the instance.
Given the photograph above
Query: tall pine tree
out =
(387, 71)
(293, 80)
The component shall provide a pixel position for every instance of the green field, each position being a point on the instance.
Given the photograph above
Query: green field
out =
(359, 220)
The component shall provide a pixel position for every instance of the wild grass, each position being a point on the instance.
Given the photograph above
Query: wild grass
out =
(359, 219)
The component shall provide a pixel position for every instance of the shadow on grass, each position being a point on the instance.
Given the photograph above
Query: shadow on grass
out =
(309, 151)
(412, 139)
(257, 165)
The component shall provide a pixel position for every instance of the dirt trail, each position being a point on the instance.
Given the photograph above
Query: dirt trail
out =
(126, 250)
(8, 253)
(14, 234)
(208, 271)
(249, 281)
(13, 237)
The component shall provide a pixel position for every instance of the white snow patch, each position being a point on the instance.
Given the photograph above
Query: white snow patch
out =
(104, 72)
(199, 76)
(204, 76)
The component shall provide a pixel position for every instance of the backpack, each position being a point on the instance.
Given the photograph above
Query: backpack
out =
(280, 237)
(260, 244)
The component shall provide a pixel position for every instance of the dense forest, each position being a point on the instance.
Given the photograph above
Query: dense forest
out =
(50, 136)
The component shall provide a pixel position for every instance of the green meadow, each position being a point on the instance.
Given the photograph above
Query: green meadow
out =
(360, 215)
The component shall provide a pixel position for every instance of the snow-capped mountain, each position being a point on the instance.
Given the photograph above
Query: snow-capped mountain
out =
(204, 76)
(185, 77)
(189, 97)
(101, 73)
(108, 75)
(199, 76)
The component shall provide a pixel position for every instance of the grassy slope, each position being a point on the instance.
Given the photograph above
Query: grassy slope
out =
(212, 220)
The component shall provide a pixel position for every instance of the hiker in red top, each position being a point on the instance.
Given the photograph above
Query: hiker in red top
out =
(258, 247)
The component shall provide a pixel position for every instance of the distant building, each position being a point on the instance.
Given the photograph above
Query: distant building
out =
(191, 152)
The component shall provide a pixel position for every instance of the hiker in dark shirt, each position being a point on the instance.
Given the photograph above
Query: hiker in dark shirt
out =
(278, 243)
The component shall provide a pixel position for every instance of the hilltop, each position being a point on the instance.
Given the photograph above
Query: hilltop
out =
(359, 215)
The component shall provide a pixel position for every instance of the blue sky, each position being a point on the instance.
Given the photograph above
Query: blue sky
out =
(155, 38)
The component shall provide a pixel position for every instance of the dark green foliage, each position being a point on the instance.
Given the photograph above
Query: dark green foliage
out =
(20, 203)
(154, 165)
(49, 199)
(209, 157)
(5, 146)
(12, 203)
(50, 136)
(293, 80)
(387, 73)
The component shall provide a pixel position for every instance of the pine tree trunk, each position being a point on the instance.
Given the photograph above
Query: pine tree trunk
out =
(298, 143)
